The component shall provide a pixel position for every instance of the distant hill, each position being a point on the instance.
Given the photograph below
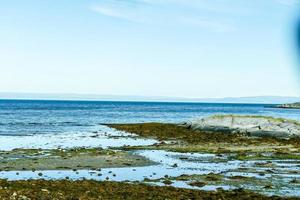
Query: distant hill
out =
(94, 97)
(260, 99)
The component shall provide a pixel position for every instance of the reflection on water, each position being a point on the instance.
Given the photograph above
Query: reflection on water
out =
(283, 172)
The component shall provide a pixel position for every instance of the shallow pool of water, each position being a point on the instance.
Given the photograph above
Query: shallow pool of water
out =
(197, 164)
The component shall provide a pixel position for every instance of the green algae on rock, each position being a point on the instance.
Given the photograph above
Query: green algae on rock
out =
(270, 185)
(182, 139)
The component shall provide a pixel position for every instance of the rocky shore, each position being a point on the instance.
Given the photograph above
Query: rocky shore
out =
(249, 125)
(92, 190)
(290, 105)
(218, 157)
(259, 161)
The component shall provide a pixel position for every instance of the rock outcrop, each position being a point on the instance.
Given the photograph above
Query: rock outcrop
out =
(290, 105)
(250, 125)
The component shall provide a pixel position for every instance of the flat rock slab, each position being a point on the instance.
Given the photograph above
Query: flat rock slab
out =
(251, 125)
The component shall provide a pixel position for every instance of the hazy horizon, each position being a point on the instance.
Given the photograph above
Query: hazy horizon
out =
(96, 97)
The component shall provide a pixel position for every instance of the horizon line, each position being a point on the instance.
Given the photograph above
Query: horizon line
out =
(132, 101)
(82, 95)
(140, 98)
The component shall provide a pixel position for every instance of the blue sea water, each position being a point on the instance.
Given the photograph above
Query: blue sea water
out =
(30, 117)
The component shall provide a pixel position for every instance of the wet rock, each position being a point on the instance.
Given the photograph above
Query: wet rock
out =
(175, 165)
(22, 197)
(261, 174)
(295, 181)
(290, 105)
(197, 184)
(264, 164)
(147, 180)
(269, 186)
(45, 190)
(213, 177)
(237, 177)
(270, 171)
(167, 182)
(183, 158)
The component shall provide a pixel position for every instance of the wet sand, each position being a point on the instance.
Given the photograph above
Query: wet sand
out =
(67, 159)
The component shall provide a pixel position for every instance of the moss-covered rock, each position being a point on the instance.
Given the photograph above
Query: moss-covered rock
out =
(86, 190)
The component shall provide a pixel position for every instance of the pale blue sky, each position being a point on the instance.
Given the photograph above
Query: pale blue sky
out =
(182, 48)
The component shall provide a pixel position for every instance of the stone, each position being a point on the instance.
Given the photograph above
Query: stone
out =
(259, 126)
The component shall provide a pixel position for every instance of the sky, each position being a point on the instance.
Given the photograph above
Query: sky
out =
(174, 48)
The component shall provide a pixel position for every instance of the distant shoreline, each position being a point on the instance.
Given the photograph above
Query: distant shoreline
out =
(139, 98)
(138, 101)
(290, 106)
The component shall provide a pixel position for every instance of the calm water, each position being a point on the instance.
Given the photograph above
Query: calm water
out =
(20, 117)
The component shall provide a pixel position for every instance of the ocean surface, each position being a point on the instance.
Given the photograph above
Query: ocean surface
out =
(33, 117)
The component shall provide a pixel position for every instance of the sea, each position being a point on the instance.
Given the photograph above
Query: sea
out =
(36, 117)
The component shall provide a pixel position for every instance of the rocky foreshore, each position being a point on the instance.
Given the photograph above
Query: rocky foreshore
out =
(250, 125)
(290, 105)
(93, 190)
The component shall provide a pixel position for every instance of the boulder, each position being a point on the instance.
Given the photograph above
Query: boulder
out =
(250, 125)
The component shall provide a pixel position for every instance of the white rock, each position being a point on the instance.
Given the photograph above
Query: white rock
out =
(252, 125)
